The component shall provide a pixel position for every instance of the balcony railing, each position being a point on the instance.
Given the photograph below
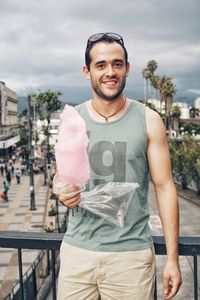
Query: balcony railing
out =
(188, 246)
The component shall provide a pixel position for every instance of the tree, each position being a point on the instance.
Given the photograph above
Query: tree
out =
(180, 161)
(152, 66)
(194, 112)
(46, 103)
(148, 75)
(176, 113)
(163, 85)
(23, 136)
(185, 156)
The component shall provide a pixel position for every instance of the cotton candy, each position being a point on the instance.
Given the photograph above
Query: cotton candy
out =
(71, 148)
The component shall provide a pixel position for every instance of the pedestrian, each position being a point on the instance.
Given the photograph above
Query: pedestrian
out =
(5, 191)
(23, 169)
(127, 143)
(13, 158)
(2, 169)
(10, 168)
(13, 170)
(6, 166)
(8, 177)
(18, 174)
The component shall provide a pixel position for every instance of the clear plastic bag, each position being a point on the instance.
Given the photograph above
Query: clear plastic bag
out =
(109, 201)
(62, 188)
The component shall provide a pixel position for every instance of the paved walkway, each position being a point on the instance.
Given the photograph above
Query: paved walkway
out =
(15, 215)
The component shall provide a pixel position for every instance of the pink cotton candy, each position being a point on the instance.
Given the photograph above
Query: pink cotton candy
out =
(71, 149)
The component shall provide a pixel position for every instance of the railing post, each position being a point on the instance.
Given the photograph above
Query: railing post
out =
(195, 278)
(34, 280)
(20, 274)
(155, 289)
(53, 274)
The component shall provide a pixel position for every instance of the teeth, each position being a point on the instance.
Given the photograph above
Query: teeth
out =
(110, 82)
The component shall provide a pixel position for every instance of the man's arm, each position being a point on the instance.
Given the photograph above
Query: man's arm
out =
(166, 196)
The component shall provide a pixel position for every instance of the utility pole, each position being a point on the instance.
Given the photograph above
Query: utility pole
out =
(30, 157)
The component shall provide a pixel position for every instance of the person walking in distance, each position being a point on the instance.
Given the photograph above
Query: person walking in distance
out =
(5, 191)
(18, 174)
(127, 143)
(8, 177)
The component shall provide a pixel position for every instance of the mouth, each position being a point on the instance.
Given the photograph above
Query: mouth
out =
(110, 83)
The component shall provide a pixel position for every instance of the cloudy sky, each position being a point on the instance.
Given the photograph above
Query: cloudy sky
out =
(42, 42)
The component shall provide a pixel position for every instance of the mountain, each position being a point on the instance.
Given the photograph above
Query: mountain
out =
(74, 95)
(21, 103)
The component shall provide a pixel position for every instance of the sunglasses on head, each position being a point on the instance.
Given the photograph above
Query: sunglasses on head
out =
(100, 36)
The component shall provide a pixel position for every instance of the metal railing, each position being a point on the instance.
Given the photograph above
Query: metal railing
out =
(188, 246)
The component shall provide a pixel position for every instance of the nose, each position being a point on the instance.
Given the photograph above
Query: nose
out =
(110, 71)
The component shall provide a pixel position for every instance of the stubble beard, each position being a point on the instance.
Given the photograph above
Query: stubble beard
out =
(106, 97)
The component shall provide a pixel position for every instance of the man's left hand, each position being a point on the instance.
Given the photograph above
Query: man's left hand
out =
(171, 279)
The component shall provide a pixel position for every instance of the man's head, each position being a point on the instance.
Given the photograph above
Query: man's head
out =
(108, 37)
(106, 65)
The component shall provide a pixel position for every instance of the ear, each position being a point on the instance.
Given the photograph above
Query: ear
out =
(127, 69)
(86, 72)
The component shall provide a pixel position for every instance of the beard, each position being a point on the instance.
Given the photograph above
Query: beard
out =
(99, 91)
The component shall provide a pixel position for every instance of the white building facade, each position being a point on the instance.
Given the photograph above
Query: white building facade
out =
(9, 121)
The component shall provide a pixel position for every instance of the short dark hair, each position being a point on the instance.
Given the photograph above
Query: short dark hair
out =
(105, 38)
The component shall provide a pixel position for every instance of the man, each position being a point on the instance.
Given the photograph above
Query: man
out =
(126, 141)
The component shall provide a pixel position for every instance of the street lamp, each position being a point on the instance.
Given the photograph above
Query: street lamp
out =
(30, 156)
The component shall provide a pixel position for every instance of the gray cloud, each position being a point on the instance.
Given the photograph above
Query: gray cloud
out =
(42, 42)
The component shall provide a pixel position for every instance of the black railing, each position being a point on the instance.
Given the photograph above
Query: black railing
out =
(188, 246)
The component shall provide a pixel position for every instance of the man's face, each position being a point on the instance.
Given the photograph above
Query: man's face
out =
(108, 70)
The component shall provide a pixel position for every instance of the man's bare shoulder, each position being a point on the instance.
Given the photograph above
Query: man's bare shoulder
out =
(154, 124)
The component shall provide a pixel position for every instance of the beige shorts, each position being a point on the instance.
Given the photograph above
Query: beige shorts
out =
(91, 275)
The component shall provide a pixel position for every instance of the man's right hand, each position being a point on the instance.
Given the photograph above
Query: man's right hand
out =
(71, 199)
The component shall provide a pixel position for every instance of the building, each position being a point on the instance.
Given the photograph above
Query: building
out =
(9, 122)
(197, 103)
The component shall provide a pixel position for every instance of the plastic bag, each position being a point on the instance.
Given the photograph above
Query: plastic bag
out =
(62, 188)
(109, 201)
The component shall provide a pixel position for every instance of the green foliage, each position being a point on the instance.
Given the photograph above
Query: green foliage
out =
(176, 112)
(24, 138)
(24, 113)
(46, 103)
(194, 112)
(185, 157)
(190, 128)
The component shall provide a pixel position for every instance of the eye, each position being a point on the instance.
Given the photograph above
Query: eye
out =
(100, 66)
(118, 64)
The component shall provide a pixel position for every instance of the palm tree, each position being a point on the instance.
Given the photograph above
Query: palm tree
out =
(47, 102)
(194, 112)
(167, 90)
(176, 113)
(152, 66)
(146, 73)
(155, 81)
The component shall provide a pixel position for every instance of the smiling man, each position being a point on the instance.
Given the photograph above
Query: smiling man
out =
(127, 143)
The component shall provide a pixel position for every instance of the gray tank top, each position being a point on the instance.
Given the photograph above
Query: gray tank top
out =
(117, 152)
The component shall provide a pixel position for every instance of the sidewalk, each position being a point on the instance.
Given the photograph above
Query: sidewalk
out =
(15, 215)
(188, 194)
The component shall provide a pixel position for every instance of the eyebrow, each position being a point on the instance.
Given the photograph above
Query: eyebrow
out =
(114, 61)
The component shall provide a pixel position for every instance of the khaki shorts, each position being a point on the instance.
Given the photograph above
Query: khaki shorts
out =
(91, 275)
